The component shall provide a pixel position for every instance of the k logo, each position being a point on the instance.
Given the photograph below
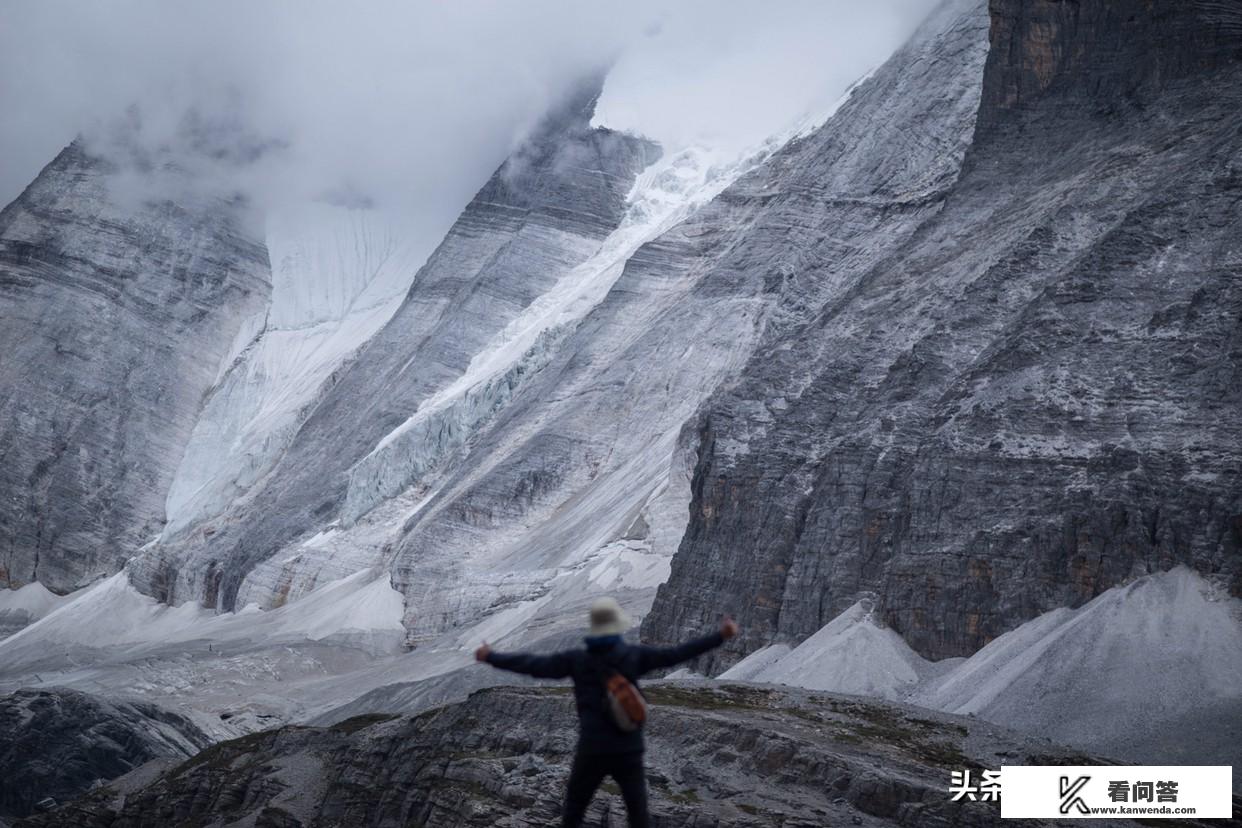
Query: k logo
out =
(1069, 794)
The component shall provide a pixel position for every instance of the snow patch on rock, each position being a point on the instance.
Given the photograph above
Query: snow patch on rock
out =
(331, 554)
(33, 598)
(663, 195)
(753, 667)
(407, 455)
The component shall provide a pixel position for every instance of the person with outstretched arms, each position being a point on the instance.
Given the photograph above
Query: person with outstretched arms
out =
(611, 709)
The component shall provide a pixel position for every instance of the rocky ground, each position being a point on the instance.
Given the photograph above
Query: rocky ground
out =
(739, 755)
(58, 743)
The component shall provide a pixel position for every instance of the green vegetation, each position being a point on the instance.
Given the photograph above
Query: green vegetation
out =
(915, 737)
(362, 722)
(727, 697)
(222, 755)
(686, 797)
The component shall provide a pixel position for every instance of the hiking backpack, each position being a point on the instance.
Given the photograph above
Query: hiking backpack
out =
(625, 703)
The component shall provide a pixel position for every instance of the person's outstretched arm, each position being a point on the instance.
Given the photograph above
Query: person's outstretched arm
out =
(653, 658)
(556, 665)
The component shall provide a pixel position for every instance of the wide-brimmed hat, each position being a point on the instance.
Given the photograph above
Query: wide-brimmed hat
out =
(607, 618)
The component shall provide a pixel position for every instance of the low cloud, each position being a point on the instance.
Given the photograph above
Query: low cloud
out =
(407, 106)
(732, 74)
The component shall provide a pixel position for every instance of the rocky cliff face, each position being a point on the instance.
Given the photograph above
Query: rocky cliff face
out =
(1075, 61)
(1027, 398)
(114, 320)
(58, 743)
(736, 755)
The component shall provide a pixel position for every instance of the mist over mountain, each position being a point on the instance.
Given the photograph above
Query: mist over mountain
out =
(337, 344)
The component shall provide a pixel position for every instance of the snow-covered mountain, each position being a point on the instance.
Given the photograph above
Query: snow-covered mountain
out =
(936, 390)
(116, 318)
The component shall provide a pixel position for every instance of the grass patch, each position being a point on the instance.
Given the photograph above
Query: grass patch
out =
(481, 754)
(914, 737)
(720, 698)
(944, 754)
(930, 725)
(861, 724)
(686, 797)
(221, 755)
(848, 737)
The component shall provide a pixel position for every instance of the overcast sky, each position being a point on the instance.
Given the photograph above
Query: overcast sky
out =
(411, 104)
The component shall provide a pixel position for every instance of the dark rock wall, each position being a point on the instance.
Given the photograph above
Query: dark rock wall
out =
(1058, 53)
(1033, 397)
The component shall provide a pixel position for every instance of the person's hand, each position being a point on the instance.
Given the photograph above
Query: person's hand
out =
(483, 652)
(728, 628)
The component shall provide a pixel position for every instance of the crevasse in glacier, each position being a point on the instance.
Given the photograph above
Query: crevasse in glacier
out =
(662, 196)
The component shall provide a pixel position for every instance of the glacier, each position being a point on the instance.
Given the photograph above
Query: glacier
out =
(338, 275)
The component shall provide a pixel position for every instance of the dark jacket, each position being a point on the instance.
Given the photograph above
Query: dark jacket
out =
(597, 733)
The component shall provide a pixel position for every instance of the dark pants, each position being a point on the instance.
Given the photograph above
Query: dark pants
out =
(626, 769)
